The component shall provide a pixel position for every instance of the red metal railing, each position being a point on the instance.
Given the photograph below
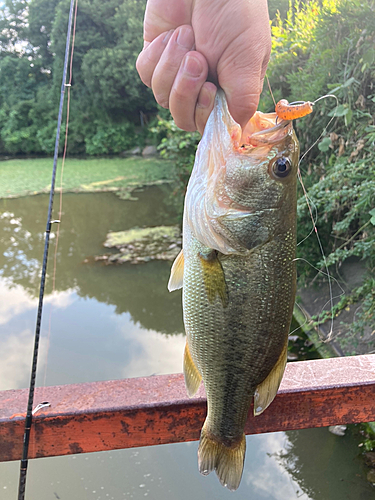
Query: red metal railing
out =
(155, 410)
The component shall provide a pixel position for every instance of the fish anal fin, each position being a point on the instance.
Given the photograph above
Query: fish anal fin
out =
(266, 391)
(226, 460)
(192, 376)
(213, 277)
(177, 273)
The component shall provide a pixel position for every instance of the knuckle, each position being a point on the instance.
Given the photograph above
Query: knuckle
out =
(162, 100)
(179, 97)
(143, 70)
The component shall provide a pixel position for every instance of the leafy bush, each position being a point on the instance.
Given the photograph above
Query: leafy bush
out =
(105, 85)
(320, 48)
(178, 146)
(18, 133)
(109, 138)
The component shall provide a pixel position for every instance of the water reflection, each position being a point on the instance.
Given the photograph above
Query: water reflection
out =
(111, 322)
(86, 221)
(335, 471)
(166, 472)
(169, 472)
(104, 322)
(90, 341)
(17, 323)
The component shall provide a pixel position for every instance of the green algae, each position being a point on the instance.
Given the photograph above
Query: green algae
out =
(143, 244)
(120, 175)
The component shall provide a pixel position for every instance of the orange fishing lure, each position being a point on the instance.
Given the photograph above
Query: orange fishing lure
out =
(286, 111)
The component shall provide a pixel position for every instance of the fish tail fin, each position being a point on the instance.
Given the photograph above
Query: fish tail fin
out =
(226, 460)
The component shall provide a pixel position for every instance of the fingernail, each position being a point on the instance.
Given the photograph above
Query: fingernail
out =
(204, 98)
(192, 66)
(185, 38)
(168, 36)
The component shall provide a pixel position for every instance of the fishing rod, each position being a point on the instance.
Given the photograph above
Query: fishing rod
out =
(30, 412)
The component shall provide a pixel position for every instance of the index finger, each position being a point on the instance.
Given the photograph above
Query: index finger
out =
(165, 15)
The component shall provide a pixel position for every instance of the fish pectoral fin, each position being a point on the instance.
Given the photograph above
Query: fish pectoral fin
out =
(192, 376)
(213, 277)
(266, 391)
(176, 278)
(226, 460)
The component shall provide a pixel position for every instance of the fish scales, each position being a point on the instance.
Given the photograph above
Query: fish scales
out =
(238, 275)
(237, 337)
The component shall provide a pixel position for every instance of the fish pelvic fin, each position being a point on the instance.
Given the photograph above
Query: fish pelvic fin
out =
(192, 376)
(176, 278)
(266, 391)
(227, 461)
(213, 277)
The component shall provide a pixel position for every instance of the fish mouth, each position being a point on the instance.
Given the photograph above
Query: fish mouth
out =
(264, 129)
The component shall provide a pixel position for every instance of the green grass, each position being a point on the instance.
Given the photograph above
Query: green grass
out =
(33, 176)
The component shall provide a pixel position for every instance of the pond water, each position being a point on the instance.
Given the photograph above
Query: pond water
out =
(110, 322)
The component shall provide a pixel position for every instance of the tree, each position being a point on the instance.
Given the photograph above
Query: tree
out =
(107, 94)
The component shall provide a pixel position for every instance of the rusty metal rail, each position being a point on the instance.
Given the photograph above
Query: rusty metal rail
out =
(155, 410)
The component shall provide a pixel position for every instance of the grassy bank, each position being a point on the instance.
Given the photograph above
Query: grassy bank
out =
(33, 176)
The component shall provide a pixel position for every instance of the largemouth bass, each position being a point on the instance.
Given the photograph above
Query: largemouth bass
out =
(238, 276)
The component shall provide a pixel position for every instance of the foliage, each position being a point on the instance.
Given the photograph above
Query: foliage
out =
(320, 48)
(278, 7)
(107, 94)
(13, 25)
(367, 431)
(110, 139)
(178, 146)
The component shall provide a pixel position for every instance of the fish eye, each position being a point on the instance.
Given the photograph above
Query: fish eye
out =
(282, 167)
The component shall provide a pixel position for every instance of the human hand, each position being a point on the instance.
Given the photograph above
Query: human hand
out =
(187, 41)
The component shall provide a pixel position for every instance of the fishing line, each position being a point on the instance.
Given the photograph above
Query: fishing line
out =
(329, 338)
(342, 291)
(305, 323)
(321, 272)
(308, 320)
(68, 85)
(321, 251)
(29, 413)
(269, 87)
(325, 128)
(308, 201)
(315, 219)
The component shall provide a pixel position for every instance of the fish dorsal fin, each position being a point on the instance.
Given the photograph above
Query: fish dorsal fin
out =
(266, 391)
(192, 376)
(177, 273)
